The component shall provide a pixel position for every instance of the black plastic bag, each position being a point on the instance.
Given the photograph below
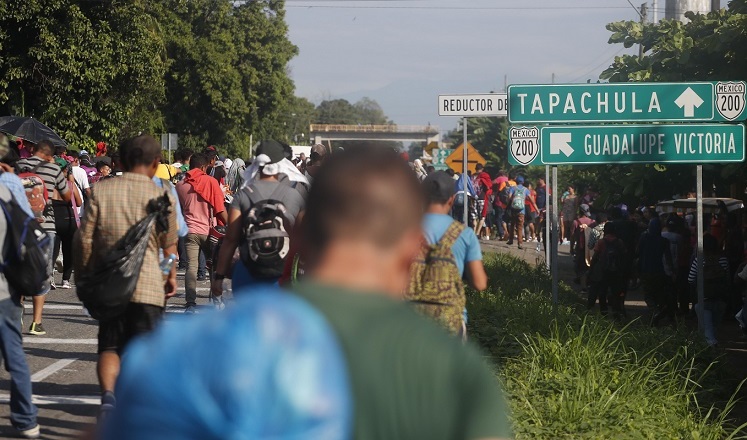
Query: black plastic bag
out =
(107, 289)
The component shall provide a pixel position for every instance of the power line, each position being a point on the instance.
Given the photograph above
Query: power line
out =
(455, 8)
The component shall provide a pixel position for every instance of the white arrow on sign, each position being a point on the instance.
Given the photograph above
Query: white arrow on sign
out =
(689, 100)
(560, 143)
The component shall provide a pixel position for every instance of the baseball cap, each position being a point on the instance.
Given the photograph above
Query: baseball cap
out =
(320, 149)
(272, 149)
(584, 208)
(439, 187)
(62, 163)
(520, 180)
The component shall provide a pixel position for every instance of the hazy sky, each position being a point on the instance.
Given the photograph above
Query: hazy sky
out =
(403, 53)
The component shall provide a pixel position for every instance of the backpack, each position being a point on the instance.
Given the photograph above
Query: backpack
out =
(435, 286)
(519, 198)
(610, 261)
(505, 194)
(715, 279)
(266, 241)
(36, 190)
(25, 252)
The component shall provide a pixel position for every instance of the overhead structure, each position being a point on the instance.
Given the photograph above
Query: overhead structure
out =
(391, 132)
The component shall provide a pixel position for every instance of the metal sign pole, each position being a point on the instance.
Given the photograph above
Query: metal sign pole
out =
(465, 177)
(699, 204)
(554, 237)
(547, 215)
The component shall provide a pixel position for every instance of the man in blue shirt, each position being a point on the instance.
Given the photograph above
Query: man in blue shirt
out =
(441, 193)
(516, 204)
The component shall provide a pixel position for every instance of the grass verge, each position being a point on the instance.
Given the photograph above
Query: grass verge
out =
(572, 375)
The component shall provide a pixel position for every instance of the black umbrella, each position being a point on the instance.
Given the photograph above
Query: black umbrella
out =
(30, 129)
(6, 119)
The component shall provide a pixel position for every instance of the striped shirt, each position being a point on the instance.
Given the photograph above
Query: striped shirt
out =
(115, 206)
(53, 179)
(693, 275)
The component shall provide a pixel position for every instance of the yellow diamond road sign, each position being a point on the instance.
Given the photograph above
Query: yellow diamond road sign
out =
(455, 160)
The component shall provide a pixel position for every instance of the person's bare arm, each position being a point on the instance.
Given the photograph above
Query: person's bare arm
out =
(223, 216)
(476, 275)
(227, 249)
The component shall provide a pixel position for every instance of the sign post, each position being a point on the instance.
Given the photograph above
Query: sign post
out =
(465, 176)
(554, 237)
(699, 212)
(547, 216)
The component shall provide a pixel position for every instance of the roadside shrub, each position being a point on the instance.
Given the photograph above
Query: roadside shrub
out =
(572, 375)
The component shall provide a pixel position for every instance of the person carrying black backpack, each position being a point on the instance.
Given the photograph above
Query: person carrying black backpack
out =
(259, 223)
(606, 273)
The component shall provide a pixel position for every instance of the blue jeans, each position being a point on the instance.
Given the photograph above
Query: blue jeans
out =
(711, 312)
(499, 214)
(22, 410)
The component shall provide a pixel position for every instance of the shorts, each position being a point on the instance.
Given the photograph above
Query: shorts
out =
(531, 217)
(137, 319)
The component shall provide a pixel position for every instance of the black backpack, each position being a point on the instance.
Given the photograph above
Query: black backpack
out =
(25, 252)
(609, 262)
(715, 279)
(505, 195)
(266, 242)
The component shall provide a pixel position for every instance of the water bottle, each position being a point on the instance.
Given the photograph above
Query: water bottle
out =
(167, 263)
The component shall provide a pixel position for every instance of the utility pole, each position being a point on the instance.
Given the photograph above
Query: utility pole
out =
(644, 15)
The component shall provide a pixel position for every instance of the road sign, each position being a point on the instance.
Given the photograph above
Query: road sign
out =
(721, 101)
(439, 156)
(455, 159)
(605, 144)
(484, 104)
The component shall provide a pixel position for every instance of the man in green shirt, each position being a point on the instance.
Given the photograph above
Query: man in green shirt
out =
(409, 378)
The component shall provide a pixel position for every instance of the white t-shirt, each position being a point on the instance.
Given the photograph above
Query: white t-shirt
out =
(81, 180)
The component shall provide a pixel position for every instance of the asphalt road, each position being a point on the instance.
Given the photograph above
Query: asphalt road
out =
(63, 364)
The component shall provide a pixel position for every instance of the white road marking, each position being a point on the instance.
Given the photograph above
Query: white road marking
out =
(35, 340)
(52, 369)
(56, 307)
(59, 400)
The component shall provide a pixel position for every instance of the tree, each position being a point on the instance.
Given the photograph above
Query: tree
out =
(91, 71)
(228, 73)
(708, 47)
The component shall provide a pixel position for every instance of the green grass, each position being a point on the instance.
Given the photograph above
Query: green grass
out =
(572, 375)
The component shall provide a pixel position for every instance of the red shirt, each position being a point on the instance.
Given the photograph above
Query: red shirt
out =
(201, 199)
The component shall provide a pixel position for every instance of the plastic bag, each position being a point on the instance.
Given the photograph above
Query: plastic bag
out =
(107, 289)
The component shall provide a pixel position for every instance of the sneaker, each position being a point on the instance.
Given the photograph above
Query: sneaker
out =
(191, 309)
(37, 329)
(34, 432)
(201, 277)
(66, 284)
(218, 302)
(108, 404)
(52, 285)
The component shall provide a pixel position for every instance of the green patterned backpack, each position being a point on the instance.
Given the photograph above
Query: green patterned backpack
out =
(436, 288)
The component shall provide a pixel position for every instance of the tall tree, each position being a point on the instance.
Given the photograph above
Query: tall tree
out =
(708, 47)
(92, 71)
